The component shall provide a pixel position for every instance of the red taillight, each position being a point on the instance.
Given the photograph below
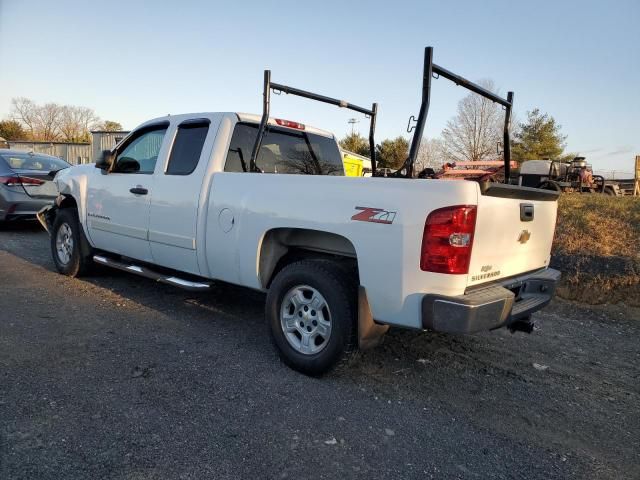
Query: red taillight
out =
(290, 124)
(447, 240)
(25, 181)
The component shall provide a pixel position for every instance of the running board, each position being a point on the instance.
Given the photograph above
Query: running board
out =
(147, 273)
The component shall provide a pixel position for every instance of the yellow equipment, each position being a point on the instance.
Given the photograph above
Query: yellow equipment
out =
(352, 166)
(355, 165)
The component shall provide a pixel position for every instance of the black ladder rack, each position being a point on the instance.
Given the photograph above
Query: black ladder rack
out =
(277, 87)
(431, 69)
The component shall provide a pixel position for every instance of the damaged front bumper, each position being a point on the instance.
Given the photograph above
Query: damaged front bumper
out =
(490, 307)
(46, 216)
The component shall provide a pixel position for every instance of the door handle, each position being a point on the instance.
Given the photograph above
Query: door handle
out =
(139, 191)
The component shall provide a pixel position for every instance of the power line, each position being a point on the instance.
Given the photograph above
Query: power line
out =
(353, 122)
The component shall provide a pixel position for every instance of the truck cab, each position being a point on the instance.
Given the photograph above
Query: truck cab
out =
(145, 202)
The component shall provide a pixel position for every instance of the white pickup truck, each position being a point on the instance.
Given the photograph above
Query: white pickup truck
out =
(263, 203)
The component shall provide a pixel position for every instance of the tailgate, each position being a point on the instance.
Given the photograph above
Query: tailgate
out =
(514, 232)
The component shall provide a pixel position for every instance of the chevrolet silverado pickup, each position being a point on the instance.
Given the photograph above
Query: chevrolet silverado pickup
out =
(263, 203)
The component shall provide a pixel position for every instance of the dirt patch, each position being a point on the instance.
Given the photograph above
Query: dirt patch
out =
(597, 248)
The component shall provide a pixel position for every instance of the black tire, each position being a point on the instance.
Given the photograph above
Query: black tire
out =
(80, 258)
(338, 288)
(550, 185)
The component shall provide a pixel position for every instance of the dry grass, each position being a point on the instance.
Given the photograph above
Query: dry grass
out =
(597, 247)
(598, 225)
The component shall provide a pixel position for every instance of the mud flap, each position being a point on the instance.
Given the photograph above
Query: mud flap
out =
(370, 333)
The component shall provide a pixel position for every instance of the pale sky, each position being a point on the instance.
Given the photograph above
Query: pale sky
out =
(130, 60)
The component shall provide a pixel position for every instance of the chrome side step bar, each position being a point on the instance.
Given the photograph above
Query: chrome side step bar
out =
(148, 273)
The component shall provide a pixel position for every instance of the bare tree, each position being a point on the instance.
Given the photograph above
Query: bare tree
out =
(51, 121)
(24, 111)
(41, 121)
(430, 155)
(49, 116)
(76, 123)
(474, 132)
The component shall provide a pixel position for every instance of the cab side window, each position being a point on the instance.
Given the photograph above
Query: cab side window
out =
(140, 153)
(187, 147)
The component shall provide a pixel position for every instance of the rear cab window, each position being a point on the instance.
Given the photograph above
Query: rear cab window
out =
(284, 151)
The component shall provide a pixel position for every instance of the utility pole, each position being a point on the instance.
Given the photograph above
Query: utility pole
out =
(636, 187)
(353, 122)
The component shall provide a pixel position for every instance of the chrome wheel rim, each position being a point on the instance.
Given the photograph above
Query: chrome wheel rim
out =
(305, 319)
(64, 243)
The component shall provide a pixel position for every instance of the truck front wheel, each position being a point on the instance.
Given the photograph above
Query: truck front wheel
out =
(67, 244)
(311, 311)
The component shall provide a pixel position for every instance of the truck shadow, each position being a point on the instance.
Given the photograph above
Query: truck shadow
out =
(240, 312)
(21, 226)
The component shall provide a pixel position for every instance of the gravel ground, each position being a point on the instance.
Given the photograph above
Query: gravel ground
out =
(115, 376)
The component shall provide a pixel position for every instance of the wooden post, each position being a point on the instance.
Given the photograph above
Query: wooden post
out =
(636, 188)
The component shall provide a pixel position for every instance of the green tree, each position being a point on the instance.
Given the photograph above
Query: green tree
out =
(356, 143)
(392, 153)
(12, 130)
(111, 126)
(538, 138)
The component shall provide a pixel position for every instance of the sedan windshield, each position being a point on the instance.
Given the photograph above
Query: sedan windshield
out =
(33, 161)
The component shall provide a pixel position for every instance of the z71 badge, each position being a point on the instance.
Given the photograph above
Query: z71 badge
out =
(374, 215)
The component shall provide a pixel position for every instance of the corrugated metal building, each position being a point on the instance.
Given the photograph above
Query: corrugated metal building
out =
(102, 140)
(74, 153)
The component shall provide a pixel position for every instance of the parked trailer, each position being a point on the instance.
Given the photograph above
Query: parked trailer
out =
(566, 177)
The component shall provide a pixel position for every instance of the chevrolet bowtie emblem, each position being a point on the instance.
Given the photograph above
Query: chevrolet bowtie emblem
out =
(524, 236)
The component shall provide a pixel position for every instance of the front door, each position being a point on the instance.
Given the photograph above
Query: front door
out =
(118, 201)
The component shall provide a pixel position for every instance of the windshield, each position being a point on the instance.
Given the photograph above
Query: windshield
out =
(31, 161)
(284, 151)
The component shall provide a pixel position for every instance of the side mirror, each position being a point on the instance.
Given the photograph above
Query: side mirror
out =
(105, 162)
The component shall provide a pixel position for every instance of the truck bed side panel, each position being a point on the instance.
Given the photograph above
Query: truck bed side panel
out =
(243, 207)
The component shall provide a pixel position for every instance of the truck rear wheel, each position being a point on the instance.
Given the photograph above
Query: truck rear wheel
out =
(67, 244)
(311, 311)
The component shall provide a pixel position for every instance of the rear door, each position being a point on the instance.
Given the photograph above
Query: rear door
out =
(514, 232)
(178, 183)
(118, 201)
